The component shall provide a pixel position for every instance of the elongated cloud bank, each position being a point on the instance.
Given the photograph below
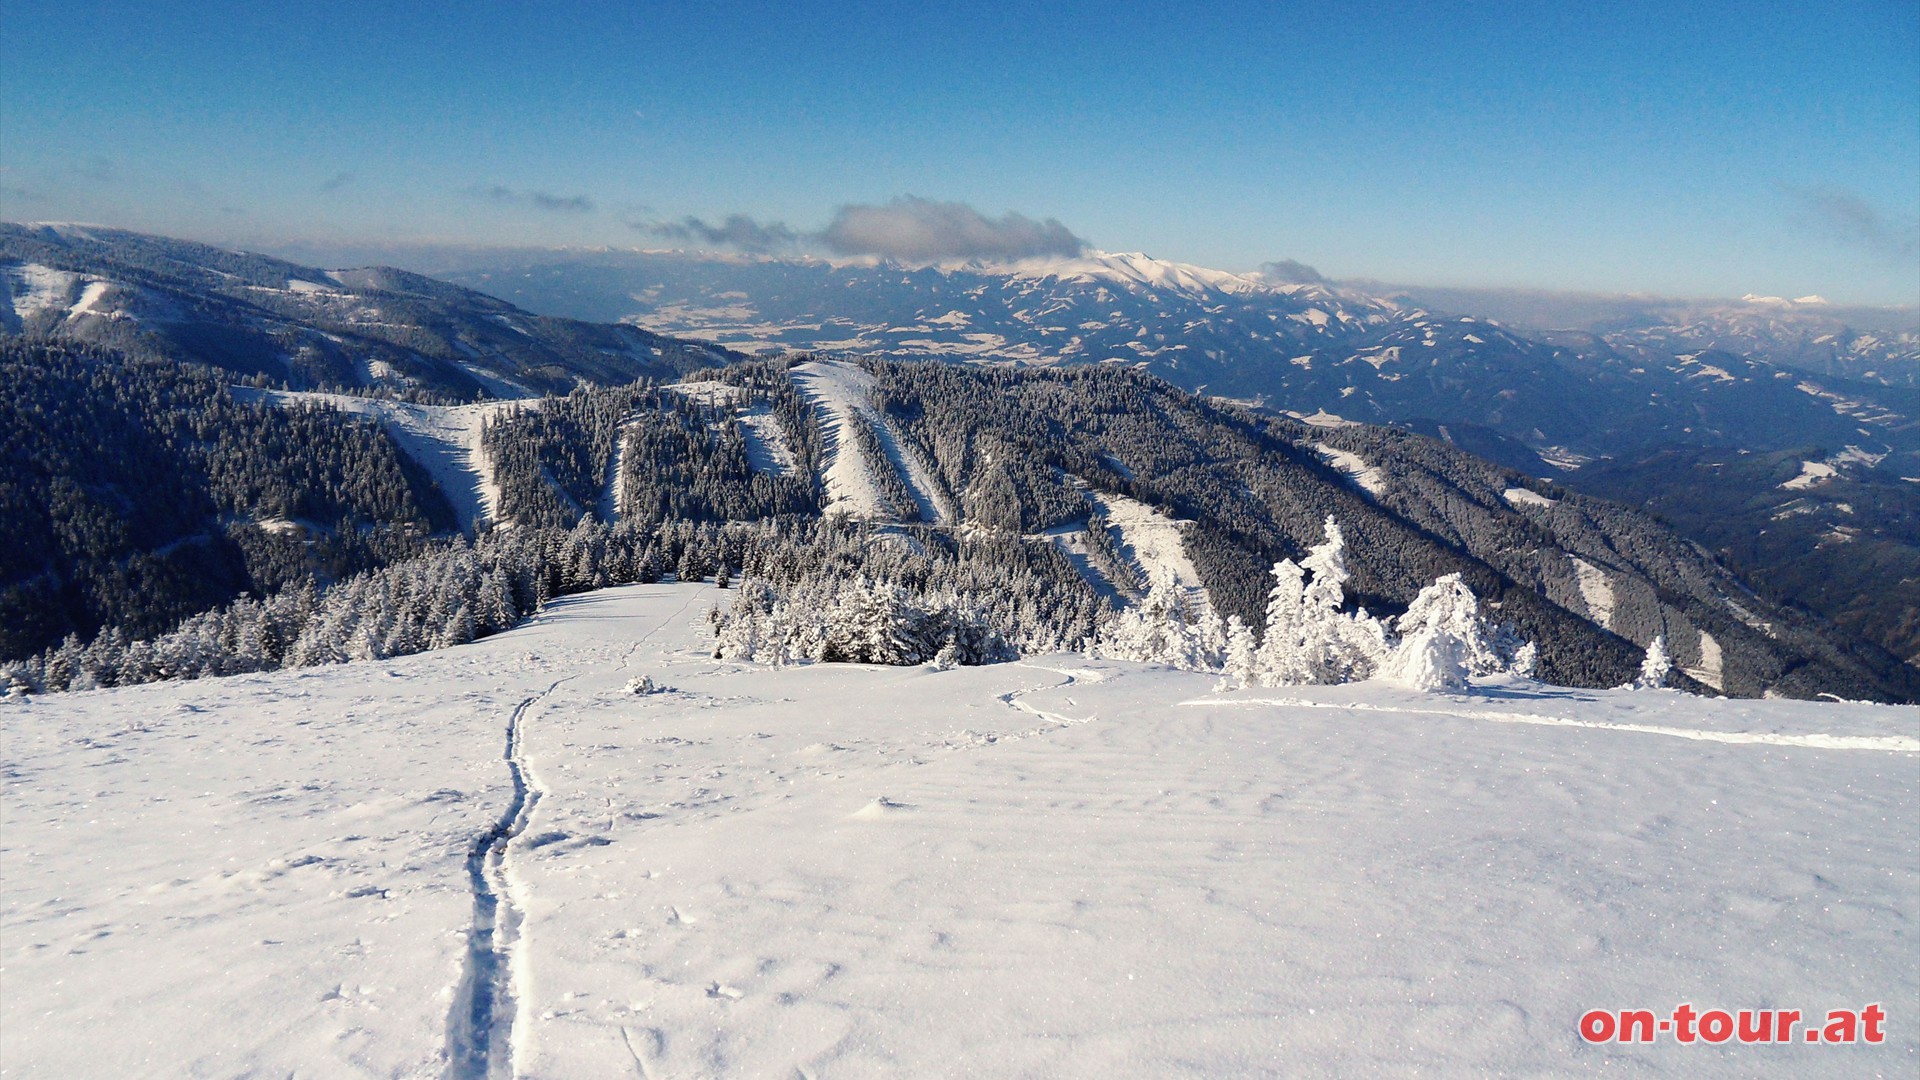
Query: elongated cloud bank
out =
(910, 229)
(1847, 216)
(916, 229)
(739, 232)
(538, 200)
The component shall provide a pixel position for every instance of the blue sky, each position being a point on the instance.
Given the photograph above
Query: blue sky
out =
(1677, 148)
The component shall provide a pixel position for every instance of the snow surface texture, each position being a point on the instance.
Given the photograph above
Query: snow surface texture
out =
(1058, 868)
(443, 439)
(843, 393)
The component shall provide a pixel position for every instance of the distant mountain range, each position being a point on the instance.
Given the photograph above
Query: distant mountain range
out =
(1790, 380)
(111, 510)
(1748, 375)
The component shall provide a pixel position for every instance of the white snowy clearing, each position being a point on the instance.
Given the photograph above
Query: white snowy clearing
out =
(1056, 868)
(1596, 588)
(1355, 468)
(1150, 540)
(1811, 473)
(442, 439)
(1709, 671)
(843, 392)
(767, 449)
(613, 493)
(1518, 497)
(35, 288)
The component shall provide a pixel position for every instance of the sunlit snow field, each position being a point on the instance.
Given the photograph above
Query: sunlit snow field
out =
(1056, 868)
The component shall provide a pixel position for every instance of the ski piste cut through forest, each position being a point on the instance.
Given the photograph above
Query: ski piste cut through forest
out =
(988, 540)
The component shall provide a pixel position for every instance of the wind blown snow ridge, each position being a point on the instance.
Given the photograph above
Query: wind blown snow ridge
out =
(1900, 744)
(480, 1028)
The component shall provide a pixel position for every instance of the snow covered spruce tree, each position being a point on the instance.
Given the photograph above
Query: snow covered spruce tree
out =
(868, 622)
(1166, 628)
(1657, 667)
(1441, 640)
(1308, 638)
(1441, 633)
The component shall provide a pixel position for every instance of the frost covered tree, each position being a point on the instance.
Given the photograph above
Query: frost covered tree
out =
(1308, 638)
(1242, 648)
(1170, 626)
(1440, 635)
(1444, 638)
(1153, 631)
(1655, 669)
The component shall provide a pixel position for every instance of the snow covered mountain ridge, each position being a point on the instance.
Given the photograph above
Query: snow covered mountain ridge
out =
(1082, 462)
(1645, 379)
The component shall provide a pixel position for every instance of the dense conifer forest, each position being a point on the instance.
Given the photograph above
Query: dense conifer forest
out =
(159, 527)
(136, 492)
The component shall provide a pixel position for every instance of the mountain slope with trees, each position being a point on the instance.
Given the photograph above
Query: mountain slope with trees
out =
(374, 330)
(141, 490)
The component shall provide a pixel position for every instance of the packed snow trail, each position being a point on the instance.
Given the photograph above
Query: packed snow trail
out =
(480, 1027)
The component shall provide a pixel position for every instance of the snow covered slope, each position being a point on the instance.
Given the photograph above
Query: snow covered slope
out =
(1150, 541)
(843, 394)
(443, 439)
(308, 328)
(1050, 868)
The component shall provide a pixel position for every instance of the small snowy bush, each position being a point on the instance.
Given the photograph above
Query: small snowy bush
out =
(1657, 667)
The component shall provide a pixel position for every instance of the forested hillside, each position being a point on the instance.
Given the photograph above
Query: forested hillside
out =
(135, 492)
(141, 491)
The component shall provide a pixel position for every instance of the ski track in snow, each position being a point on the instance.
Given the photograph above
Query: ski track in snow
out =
(843, 870)
(1070, 676)
(477, 1038)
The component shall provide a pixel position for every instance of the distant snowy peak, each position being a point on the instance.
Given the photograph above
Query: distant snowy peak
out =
(1135, 269)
